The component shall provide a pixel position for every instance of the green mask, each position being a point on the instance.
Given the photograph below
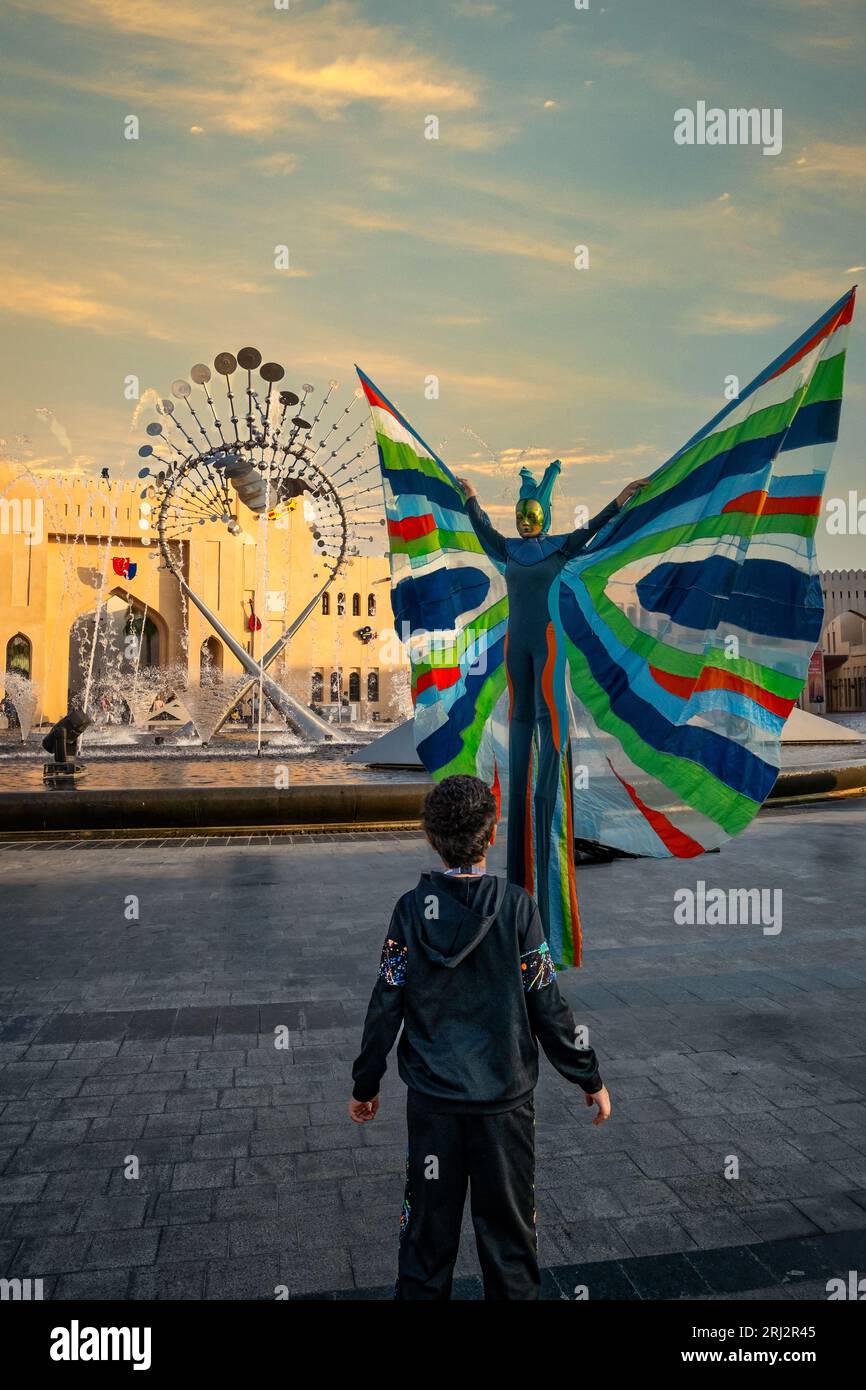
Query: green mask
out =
(529, 516)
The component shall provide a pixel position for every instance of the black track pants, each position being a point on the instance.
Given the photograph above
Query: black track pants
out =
(495, 1156)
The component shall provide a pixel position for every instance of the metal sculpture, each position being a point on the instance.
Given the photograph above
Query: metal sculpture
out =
(206, 458)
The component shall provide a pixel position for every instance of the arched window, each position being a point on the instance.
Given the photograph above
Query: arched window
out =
(326, 604)
(317, 686)
(210, 661)
(335, 685)
(354, 685)
(371, 605)
(356, 605)
(373, 687)
(341, 605)
(138, 625)
(19, 655)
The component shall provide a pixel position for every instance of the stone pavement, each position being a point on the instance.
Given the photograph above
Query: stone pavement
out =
(154, 1038)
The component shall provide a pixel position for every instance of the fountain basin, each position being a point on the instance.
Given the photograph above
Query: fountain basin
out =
(315, 806)
(221, 810)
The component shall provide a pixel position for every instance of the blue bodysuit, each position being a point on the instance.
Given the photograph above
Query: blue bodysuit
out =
(540, 825)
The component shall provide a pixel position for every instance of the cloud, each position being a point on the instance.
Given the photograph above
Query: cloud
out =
(828, 162)
(248, 72)
(663, 72)
(20, 180)
(490, 238)
(58, 301)
(814, 6)
(478, 9)
(276, 164)
(508, 462)
(803, 286)
(57, 429)
(471, 320)
(494, 387)
(403, 81)
(475, 135)
(392, 371)
(578, 456)
(727, 320)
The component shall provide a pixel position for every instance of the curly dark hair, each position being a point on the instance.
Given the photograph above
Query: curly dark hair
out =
(458, 818)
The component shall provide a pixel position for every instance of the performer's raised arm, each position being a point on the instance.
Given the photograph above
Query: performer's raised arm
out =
(492, 543)
(579, 538)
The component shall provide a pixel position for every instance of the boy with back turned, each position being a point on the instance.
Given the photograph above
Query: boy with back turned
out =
(467, 972)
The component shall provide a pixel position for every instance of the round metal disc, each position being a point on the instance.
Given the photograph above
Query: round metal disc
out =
(307, 387)
(288, 398)
(200, 373)
(301, 423)
(166, 407)
(154, 428)
(144, 453)
(249, 358)
(225, 363)
(180, 388)
(272, 371)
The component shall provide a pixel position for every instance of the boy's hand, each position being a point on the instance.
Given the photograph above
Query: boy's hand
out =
(467, 488)
(361, 1111)
(602, 1100)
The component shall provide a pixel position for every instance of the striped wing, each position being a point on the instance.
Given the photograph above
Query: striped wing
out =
(692, 616)
(449, 602)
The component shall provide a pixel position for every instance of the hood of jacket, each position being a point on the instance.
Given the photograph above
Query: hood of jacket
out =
(454, 915)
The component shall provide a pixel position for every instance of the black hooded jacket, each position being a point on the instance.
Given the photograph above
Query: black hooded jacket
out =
(466, 970)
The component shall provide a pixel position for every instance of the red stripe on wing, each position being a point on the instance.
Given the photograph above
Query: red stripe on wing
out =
(681, 845)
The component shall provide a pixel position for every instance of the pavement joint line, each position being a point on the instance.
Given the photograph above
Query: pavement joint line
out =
(722, 1271)
(165, 835)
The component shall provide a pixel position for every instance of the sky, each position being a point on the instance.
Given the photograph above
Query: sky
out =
(449, 258)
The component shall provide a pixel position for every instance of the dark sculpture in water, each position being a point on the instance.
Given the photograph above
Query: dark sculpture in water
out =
(62, 743)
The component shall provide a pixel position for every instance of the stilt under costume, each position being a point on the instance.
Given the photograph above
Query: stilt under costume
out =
(540, 775)
(686, 625)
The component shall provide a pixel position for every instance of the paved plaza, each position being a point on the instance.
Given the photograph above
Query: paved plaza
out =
(148, 1047)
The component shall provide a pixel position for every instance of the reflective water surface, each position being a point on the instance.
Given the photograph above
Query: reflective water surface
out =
(234, 763)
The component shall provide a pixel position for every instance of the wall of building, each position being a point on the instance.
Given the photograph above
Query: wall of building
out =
(63, 571)
(843, 645)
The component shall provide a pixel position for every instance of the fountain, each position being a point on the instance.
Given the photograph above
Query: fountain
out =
(208, 703)
(266, 468)
(22, 694)
(228, 448)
